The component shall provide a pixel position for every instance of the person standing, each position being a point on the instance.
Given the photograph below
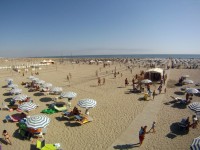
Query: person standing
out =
(126, 82)
(142, 134)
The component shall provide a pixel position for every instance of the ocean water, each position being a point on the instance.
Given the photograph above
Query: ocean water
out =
(182, 56)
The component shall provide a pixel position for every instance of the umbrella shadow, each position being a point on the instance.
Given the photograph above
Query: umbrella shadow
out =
(17, 135)
(72, 124)
(7, 99)
(126, 146)
(176, 130)
(33, 147)
(3, 141)
(179, 105)
(6, 94)
(141, 99)
(170, 102)
(60, 118)
(179, 93)
(45, 99)
(38, 94)
(171, 135)
(5, 86)
(120, 87)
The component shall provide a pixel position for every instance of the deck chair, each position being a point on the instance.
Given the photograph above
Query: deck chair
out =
(82, 120)
(41, 145)
(63, 108)
(10, 118)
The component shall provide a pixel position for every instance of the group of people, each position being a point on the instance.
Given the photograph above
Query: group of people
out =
(194, 123)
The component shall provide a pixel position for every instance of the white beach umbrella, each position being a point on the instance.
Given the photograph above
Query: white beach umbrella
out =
(20, 97)
(68, 95)
(27, 106)
(47, 85)
(12, 85)
(87, 103)
(40, 81)
(146, 81)
(56, 89)
(186, 81)
(191, 90)
(37, 121)
(195, 106)
(195, 144)
(16, 91)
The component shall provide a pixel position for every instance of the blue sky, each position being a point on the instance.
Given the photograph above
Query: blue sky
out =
(88, 27)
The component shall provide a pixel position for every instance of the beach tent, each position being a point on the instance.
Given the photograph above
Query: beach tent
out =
(154, 74)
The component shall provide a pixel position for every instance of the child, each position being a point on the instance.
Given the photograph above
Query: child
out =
(153, 127)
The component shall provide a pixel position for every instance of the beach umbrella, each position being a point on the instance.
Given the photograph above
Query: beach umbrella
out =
(191, 90)
(47, 85)
(146, 81)
(16, 91)
(40, 81)
(186, 81)
(186, 76)
(12, 85)
(195, 144)
(27, 106)
(195, 106)
(56, 89)
(87, 103)
(35, 79)
(68, 95)
(20, 97)
(31, 77)
(37, 121)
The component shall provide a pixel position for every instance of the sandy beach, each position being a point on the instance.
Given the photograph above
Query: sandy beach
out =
(117, 108)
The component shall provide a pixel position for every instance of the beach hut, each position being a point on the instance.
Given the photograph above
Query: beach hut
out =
(154, 74)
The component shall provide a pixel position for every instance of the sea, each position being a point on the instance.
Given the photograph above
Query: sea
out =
(179, 56)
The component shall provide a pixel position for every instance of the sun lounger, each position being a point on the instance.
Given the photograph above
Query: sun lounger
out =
(63, 108)
(10, 118)
(43, 146)
(83, 119)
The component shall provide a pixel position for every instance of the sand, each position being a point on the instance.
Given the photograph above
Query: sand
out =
(117, 108)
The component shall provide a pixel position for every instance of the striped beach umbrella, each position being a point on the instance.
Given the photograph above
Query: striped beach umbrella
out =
(37, 121)
(16, 91)
(87, 103)
(191, 90)
(146, 81)
(20, 97)
(195, 106)
(195, 144)
(56, 89)
(27, 106)
(47, 85)
(186, 81)
(68, 95)
(12, 85)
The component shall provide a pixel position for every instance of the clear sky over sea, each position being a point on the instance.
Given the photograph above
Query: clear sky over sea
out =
(91, 27)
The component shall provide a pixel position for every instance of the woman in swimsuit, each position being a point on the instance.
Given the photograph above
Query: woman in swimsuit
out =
(6, 136)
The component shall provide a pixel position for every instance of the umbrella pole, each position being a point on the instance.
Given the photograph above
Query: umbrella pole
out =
(87, 112)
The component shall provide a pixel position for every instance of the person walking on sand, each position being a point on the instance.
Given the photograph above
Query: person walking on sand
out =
(142, 133)
(126, 82)
(153, 127)
(6, 137)
(99, 81)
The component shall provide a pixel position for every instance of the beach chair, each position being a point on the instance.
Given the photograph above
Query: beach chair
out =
(63, 108)
(10, 118)
(41, 145)
(83, 119)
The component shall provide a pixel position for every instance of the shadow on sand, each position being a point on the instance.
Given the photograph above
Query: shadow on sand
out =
(45, 99)
(126, 146)
(6, 94)
(3, 141)
(179, 105)
(176, 131)
(7, 99)
(179, 93)
(38, 94)
(72, 124)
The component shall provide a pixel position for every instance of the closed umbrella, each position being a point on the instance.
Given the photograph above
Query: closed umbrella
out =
(20, 97)
(195, 144)
(191, 90)
(27, 106)
(87, 103)
(37, 121)
(195, 106)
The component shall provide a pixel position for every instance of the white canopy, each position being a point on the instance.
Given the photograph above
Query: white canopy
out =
(156, 70)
